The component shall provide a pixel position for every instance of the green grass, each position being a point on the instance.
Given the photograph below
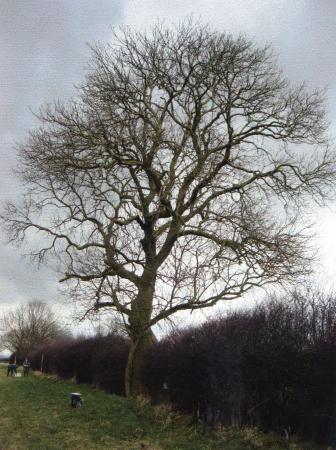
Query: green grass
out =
(35, 415)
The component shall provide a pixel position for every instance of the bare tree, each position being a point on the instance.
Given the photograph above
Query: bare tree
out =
(176, 178)
(28, 326)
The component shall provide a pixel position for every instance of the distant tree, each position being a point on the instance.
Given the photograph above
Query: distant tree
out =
(176, 179)
(28, 326)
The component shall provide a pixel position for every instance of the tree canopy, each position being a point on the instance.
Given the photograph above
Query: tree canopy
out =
(176, 178)
(27, 327)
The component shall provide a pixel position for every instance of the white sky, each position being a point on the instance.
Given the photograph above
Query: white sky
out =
(43, 52)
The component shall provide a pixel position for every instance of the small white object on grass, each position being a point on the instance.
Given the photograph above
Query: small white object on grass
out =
(76, 400)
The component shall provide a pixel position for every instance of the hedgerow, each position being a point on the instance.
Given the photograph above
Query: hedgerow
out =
(272, 367)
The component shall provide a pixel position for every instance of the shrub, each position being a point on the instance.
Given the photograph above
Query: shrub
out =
(109, 362)
(273, 367)
(99, 360)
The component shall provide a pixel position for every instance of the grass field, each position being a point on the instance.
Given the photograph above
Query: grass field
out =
(35, 415)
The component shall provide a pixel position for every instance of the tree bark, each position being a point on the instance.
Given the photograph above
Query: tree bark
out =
(141, 336)
(136, 357)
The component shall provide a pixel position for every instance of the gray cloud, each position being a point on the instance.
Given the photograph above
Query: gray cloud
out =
(43, 52)
(302, 32)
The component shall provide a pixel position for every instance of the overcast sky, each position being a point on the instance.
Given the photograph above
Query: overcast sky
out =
(43, 52)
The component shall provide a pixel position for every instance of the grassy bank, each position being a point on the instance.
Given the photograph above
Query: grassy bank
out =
(35, 415)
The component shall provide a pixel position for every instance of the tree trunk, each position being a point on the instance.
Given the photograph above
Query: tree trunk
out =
(136, 357)
(141, 337)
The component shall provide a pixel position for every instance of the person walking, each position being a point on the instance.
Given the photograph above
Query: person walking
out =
(26, 367)
(11, 369)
